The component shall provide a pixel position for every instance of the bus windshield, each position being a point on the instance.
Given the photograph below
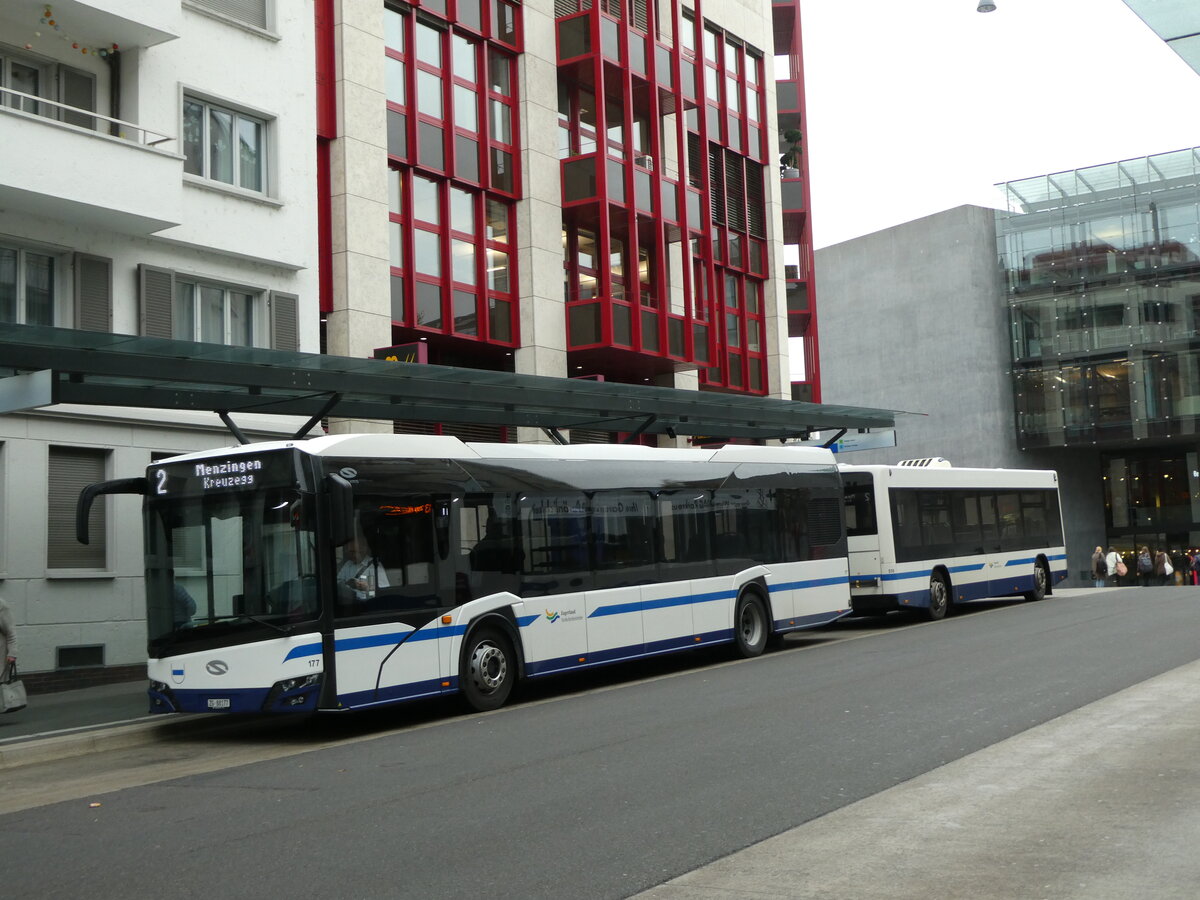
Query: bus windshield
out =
(229, 566)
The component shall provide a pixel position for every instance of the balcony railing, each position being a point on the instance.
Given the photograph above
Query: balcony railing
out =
(82, 118)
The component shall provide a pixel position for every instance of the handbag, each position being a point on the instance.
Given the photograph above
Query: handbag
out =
(1122, 569)
(12, 691)
(1168, 569)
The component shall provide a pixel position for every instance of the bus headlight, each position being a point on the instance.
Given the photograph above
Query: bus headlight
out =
(293, 694)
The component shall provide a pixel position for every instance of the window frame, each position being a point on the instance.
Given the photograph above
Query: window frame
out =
(259, 323)
(59, 313)
(238, 113)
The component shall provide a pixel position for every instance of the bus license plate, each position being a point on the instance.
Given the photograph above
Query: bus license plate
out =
(221, 703)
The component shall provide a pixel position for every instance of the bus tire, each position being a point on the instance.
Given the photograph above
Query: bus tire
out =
(489, 669)
(750, 625)
(1041, 581)
(939, 597)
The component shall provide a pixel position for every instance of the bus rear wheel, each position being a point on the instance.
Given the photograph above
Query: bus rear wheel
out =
(489, 669)
(750, 626)
(939, 597)
(1041, 580)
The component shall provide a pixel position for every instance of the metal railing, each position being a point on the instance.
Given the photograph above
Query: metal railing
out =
(83, 118)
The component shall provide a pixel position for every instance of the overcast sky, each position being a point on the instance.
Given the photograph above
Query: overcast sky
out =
(916, 106)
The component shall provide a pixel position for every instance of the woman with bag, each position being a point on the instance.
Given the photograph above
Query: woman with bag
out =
(12, 699)
(1116, 566)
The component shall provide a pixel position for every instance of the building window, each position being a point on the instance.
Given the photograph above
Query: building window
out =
(251, 12)
(217, 314)
(27, 286)
(225, 145)
(71, 469)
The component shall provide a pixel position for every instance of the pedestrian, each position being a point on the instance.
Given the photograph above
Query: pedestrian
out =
(1099, 568)
(1145, 567)
(1194, 568)
(1162, 568)
(8, 638)
(1116, 566)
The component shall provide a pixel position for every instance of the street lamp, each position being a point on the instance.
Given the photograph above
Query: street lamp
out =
(985, 6)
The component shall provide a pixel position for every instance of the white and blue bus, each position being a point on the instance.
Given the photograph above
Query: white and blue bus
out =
(925, 535)
(349, 572)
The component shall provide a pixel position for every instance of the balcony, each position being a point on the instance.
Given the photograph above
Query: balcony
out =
(129, 24)
(61, 162)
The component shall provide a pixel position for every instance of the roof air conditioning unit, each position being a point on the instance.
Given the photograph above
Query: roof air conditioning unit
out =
(645, 161)
(929, 462)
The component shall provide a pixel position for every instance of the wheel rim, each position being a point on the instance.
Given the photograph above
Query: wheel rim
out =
(750, 624)
(937, 595)
(489, 667)
(1040, 579)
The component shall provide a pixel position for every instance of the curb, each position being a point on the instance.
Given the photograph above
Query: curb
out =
(102, 738)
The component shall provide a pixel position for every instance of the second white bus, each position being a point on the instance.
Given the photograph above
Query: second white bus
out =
(924, 535)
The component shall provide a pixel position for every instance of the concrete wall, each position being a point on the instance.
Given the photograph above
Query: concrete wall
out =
(914, 318)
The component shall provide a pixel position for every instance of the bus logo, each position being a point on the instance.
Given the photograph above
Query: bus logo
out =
(177, 674)
(217, 667)
(552, 616)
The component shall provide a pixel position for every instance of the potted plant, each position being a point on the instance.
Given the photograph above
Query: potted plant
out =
(789, 160)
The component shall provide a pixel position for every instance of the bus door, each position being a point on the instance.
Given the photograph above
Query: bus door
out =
(623, 554)
(394, 582)
(862, 530)
(555, 575)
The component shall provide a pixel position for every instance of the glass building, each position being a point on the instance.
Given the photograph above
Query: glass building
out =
(1102, 270)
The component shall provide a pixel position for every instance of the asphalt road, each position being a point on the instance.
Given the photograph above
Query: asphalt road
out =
(599, 793)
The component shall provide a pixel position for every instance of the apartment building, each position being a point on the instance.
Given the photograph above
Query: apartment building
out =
(157, 172)
(586, 189)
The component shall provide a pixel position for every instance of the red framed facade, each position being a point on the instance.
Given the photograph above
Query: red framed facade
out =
(453, 170)
(797, 225)
(662, 154)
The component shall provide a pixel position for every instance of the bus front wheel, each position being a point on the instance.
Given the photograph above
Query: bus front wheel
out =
(939, 597)
(1041, 580)
(750, 626)
(489, 669)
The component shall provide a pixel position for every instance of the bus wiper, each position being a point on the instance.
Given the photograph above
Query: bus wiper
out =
(282, 629)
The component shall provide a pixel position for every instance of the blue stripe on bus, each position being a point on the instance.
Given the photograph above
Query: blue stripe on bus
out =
(616, 609)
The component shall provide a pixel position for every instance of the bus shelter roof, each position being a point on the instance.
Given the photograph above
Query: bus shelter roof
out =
(40, 366)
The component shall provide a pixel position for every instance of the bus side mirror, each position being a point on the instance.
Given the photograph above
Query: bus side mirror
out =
(341, 509)
(83, 507)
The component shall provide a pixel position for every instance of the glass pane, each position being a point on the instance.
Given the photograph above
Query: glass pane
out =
(432, 150)
(193, 137)
(241, 319)
(470, 13)
(425, 200)
(393, 29)
(39, 289)
(212, 315)
(497, 271)
(733, 334)
(464, 58)
(462, 259)
(395, 192)
(429, 45)
(429, 305)
(650, 331)
(466, 158)
(501, 122)
(753, 340)
(220, 146)
(429, 94)
(466, 108)
(500, 320)
(183, 312)
(397, 134)
(583, 323)
(497, 221)
(250, 154)
(8, 285)
(622, 325)
(427, 252)
(397, 248)
(465, 319)
(500, 70)
(462, 210)
(396, 91)
(24, 79)
(397, 298)
(504, 22)
(502, 170)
